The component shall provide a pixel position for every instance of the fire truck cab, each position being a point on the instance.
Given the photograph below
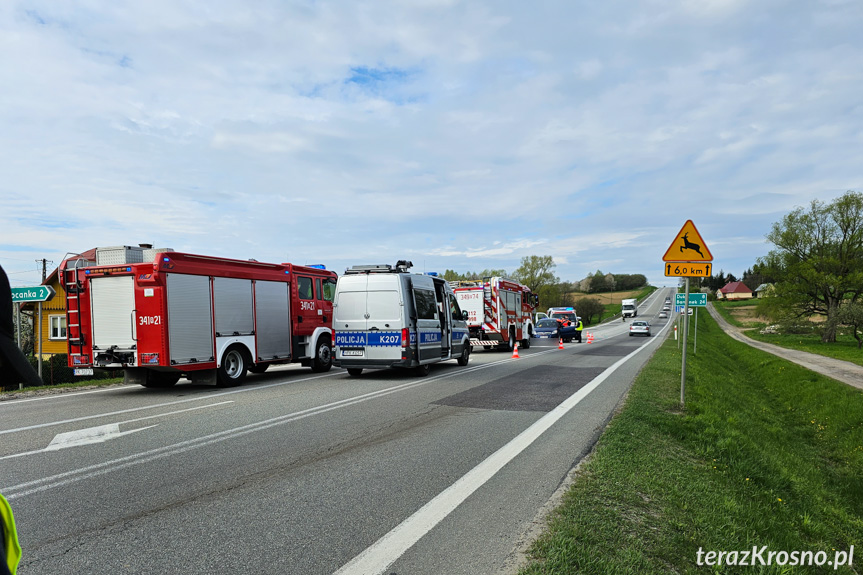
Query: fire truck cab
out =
(207, 318)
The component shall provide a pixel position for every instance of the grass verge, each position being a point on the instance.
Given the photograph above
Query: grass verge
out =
(844, 348)
(75, 385)
(765, 453)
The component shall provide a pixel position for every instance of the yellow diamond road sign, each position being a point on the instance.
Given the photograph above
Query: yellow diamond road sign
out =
(688, 246)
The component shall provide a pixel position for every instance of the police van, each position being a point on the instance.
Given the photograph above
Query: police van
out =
(385, 316)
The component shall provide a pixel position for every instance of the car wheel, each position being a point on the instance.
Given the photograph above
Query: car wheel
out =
(232, 372)
(355, 371)
(422, 370)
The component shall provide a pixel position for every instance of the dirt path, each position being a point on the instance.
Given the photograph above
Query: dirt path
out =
(844, 371)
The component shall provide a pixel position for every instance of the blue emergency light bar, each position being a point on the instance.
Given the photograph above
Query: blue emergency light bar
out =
(317, 266)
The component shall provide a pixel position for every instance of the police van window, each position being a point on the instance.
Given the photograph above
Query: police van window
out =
(304, 288)
(454, 308)
(329, 291)
(426, 307)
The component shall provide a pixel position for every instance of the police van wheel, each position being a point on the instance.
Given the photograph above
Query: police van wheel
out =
(355, 371)
(465, 356)
(422, 370)
(323, 355)
(232, 372)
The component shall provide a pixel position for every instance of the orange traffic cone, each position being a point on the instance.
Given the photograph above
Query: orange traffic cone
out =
(589, 338)
(515, 351)
(560, 344)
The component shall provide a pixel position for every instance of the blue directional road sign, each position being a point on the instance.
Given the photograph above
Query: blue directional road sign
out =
(695, 299)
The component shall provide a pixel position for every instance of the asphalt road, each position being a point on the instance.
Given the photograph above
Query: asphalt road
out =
(312, 473)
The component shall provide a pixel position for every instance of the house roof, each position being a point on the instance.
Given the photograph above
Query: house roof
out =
(52, 277)
(735, 287)
(763, 287)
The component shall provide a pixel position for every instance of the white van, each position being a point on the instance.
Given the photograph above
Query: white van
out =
(387, 317)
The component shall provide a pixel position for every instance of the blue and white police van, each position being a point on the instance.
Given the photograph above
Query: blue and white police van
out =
(385, 316)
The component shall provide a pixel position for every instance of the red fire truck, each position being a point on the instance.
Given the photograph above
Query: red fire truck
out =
(500, 311)
(207, 318)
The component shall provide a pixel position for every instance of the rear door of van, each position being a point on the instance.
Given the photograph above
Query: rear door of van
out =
(349, 316)
(428, 320)
(385, 317)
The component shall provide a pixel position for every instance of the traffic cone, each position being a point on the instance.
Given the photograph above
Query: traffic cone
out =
(559, 344)
(515, 351)
(589, 337)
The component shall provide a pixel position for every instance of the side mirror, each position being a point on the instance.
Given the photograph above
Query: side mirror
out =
(465, 316)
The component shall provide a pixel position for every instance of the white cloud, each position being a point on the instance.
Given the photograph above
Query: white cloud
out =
(466, 134)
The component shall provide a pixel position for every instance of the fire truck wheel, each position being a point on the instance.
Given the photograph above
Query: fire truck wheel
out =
(465, 356)
(511, 342)
(525, 343)
(355, 371)
(233, 369)
(259, 368)
(323, 355)
(422, 370)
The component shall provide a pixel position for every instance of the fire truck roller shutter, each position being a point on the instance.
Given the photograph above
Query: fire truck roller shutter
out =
(273, 320)
(190, 325)
(113, 299)
(232, 303)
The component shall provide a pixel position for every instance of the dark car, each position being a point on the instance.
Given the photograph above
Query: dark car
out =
(546, 328)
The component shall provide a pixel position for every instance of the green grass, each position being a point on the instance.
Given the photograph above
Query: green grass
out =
(765, 453)
(87, 383)
(844, 348)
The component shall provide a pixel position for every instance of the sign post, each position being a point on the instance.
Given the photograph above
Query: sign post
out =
(38, 294)
(687, 256)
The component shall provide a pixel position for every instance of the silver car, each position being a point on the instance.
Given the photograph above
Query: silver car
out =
(639, 327)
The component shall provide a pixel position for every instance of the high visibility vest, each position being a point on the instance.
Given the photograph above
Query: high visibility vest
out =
(580, 326)
(10, 536)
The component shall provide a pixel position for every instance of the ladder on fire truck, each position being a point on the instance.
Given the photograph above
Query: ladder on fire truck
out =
(73, 288)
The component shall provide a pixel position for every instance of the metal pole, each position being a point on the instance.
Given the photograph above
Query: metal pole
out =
(40, 342)
(696, 332)
(685, 336)
(18, 322)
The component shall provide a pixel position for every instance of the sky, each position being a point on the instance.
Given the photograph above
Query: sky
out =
(460, 135)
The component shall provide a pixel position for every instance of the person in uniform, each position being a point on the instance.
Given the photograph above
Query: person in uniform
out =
(579, 325)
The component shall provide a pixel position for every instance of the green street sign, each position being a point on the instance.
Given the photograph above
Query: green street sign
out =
(695, 299)
(37, 293)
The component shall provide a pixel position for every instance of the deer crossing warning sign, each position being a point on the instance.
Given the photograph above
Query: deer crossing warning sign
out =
(688, 246)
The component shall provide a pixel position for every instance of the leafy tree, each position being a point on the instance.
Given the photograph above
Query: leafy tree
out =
(599, 283)
(852, 315)
(588, 308)
(536, 272)
(818, 260)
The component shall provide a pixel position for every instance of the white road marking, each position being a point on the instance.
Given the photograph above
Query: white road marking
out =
(75, 475)
(166, 404)
(377, 558)
(89, 435)
(92, 431)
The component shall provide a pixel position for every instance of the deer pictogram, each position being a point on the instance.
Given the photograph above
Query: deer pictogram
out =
(687, 245)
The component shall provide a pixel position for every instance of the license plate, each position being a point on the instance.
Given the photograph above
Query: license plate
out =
(83, 371)
(352, 352)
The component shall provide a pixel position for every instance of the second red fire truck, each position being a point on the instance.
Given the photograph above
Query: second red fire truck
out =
(500, 311)
(207, 318)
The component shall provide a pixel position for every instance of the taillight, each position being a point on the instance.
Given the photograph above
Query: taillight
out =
(406, 337)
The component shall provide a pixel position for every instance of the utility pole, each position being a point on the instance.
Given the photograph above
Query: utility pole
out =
(44, 276)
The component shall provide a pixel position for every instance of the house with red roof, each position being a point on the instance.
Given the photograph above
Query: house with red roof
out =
(734, 291)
